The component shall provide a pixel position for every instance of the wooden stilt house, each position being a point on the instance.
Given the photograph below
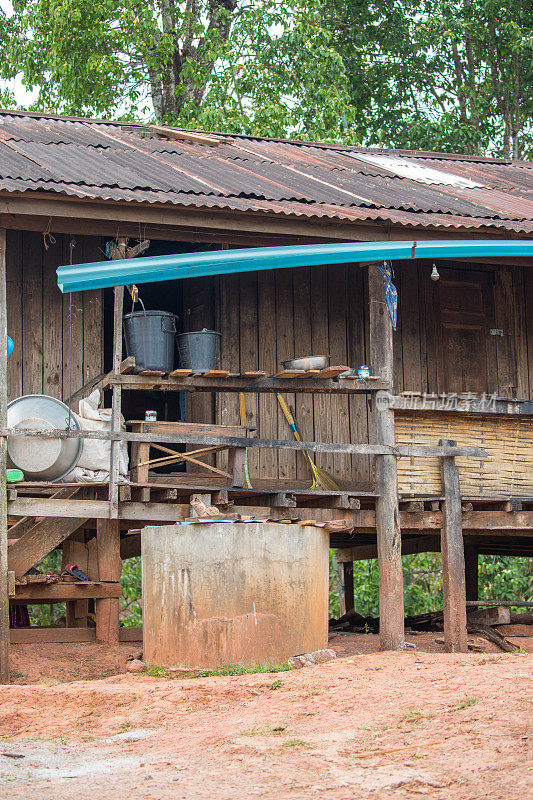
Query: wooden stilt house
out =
(459, 366)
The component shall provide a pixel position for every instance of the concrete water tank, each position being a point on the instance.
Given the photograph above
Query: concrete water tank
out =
(233, 593)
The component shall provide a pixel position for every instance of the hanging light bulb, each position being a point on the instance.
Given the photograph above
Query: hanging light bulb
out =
(435, 273)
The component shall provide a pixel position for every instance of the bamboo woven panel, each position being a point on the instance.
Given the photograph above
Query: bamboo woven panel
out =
(507, 471)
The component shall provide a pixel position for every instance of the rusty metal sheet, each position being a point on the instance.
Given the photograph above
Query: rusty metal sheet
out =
(126, 162)
(288, 208)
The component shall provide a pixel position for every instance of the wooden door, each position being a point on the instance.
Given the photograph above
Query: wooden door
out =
(464, 316)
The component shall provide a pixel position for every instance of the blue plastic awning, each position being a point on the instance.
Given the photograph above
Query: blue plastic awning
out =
(76, 277)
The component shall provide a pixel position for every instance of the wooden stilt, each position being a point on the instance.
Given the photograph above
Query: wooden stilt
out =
(347, 575)
(453, 560)
(471, 572)
(391, 607)
(109, 569)
(4, 599)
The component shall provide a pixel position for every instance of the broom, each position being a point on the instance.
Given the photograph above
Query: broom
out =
(242, 415)
(321, 478)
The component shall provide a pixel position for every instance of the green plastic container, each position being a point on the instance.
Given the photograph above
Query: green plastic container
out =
(14, 475)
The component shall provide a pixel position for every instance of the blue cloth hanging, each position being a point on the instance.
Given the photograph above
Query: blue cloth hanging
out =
(391, 295)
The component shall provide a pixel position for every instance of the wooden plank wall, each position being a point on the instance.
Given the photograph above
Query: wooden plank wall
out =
(268, 317)
(265, 318)
(415, 353)
(47, 359)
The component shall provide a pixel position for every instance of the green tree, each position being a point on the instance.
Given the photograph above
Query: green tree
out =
(265, 67)
(452, 75)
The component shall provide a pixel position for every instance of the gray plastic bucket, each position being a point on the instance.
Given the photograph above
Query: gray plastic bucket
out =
(150, 337)
(199, 350)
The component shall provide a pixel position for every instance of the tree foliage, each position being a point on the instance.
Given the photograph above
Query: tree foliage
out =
(265, 67)
(452, 75)
(500, 577)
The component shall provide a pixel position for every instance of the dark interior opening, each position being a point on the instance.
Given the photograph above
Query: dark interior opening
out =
(173, 296)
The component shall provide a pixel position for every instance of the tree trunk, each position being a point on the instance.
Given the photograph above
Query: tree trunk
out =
(170, 90)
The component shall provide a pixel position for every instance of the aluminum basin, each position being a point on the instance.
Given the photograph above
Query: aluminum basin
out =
(41, 459)
(308, 362)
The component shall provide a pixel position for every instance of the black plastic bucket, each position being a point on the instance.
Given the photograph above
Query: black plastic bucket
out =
(199, 350)
(150, 336)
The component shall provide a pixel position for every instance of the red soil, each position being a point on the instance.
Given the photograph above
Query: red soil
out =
(377, 725)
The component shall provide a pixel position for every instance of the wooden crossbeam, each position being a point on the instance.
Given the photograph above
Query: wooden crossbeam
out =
(409, 450)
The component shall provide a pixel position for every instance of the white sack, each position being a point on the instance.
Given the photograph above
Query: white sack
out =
(93, 464)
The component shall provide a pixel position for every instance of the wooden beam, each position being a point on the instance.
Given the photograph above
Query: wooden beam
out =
(109, 569)
(411, 546)
(453, 561)
(116, 417)
(164, 221)
(40, 540)
(4, 589)
(243, 383)
(68, 635)
(52, 635)
(409, 450)
(60, 592)
(187, 136)
(391, 607)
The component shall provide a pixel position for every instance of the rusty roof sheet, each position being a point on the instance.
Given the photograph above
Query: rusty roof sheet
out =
(126, 162)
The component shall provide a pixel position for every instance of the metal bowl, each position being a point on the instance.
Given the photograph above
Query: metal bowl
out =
(41, 459)
(308, 362)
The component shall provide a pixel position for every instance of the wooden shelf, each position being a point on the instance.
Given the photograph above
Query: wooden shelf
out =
(295, 381)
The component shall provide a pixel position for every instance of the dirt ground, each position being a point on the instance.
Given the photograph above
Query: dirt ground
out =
(57, 663)
(368, 724)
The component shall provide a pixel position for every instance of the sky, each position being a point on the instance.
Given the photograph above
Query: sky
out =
(22, 96)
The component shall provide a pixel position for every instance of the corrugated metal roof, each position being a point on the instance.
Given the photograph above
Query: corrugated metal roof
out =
(124, 162)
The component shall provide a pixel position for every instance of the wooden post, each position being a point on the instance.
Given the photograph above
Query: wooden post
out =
(391, 608)
(347, 575)
(76, 552)
(117, 403)
(453, 560)
(109, 569)
(4, 598)
(471, 572)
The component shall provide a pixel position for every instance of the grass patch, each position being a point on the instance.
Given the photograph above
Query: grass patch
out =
(239, 669)
(466, 702)
(272, 731)
(412, 715)
(289, 743)
(157, 671)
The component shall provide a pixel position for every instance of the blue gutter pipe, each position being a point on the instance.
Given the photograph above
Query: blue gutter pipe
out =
(77, 277)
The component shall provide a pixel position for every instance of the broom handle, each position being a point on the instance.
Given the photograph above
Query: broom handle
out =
(292, 424)
(242, 415)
